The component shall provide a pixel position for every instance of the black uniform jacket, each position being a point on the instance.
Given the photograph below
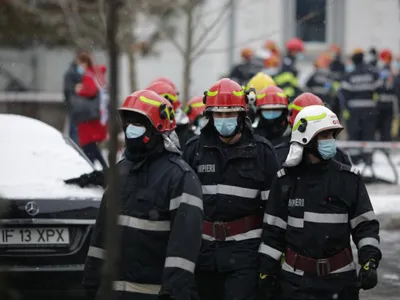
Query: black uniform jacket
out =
(358, 87)
(160, 220)
(282, 151)
(313, 209)
(236, 180)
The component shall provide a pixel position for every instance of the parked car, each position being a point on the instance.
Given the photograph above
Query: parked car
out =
(46, 226)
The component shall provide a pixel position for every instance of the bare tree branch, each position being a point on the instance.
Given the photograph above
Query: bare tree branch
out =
(201, 50)
(71, 25)
(223, 11)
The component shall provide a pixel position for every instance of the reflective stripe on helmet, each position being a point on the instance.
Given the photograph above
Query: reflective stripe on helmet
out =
(170, 96)
(198, 104)
(310, 118)
(149, 101)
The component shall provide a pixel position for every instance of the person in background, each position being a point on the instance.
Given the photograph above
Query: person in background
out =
(286, 78)
(359, 90)
(183, 127)
(388, 102)
(194, 110)
(371, 58)
(320, 82)
(72, 77)
(245, 70)
(272, 115)
(91, 133)
(337, 70)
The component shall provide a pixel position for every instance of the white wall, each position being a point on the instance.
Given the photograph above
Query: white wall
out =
(372, 23)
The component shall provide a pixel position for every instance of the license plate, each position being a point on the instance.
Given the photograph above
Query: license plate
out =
(34, 236)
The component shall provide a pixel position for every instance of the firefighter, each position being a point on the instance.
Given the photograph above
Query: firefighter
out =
(315, 205)
(358, 90)
(161, 210)
(320, 83)
(371, 59)
(183, 127)
(388, 103)
(286, 79)
(255, 85)
(337, 71)
(194, 110)
(242, 72)
(302, 101)
(235, 168)
(272, 115)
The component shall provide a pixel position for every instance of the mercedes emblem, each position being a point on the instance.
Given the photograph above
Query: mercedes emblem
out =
(32, 208)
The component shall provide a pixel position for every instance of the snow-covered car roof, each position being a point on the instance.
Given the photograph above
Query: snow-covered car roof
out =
(35, 159)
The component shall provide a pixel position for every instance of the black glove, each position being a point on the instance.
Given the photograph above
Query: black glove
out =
(85, 180)
(368, 276)
(267, 287)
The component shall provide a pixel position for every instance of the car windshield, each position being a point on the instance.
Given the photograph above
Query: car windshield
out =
(35, 160)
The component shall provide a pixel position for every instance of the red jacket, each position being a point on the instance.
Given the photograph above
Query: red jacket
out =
(92, 131)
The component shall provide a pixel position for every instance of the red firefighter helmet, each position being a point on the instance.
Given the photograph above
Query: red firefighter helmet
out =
(304, 100)
(150, 105)
(166, 80)
(225, 95)
(167, 91)
(386, 55)
(171, 114)
(195, 108)
(295, 45)
(272, 97)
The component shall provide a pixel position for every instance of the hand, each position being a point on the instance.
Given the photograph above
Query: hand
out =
(368, 276)
(78, 87)
(85, 180)
(267, 287)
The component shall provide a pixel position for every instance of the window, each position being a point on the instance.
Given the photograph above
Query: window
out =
(311, 20)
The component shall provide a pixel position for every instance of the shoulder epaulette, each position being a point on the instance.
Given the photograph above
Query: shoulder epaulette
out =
(180, 162)
(350, 169)
(281, 172)
(192, 140)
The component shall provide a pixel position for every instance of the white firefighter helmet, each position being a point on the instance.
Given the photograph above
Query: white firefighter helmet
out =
(308, 123)
(312, 120)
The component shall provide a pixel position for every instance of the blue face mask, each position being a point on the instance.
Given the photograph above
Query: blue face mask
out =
(225, 126)
(327, 148)
(349, 68)
(299, 56)
(271, 114)
(80, 69)
(133, 131)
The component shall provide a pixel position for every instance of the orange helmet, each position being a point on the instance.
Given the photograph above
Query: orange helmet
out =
(247, 53)
(322, 61)
(167, 91)
(150, 105)
(270, 45)
(166, 80)
(386, 55)
(304, 100)
(272, 97)
(272, 62)
(195, 108)
(295, 44)
(224, 96)
(334, 48)
(357, 51)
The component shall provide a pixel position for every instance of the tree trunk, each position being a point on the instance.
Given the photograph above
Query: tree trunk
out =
(187, 58)
(132, 69)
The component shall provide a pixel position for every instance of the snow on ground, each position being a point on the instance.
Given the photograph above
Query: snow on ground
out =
(35, 160)
(385, 198)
